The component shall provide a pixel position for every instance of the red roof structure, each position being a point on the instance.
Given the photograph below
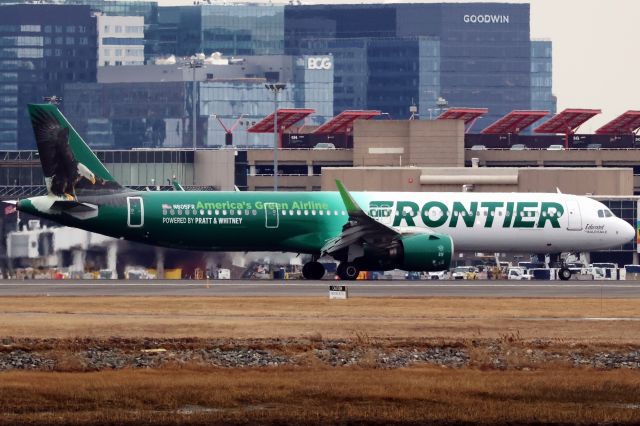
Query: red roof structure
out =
(343, 122)
(469, 115)
(286, 119)
(514, 122)
(567, 121)
(627, 123)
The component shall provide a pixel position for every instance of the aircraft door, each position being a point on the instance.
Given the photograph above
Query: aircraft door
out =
(135, 207)
(272, 219)
(574, 217)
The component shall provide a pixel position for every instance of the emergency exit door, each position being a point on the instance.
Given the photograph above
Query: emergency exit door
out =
(135, 207)
(272, 219)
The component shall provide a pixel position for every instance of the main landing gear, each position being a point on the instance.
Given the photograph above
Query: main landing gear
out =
(313, 270)
(348, 271)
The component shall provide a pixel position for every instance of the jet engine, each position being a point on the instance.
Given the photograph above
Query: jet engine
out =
(422, 252)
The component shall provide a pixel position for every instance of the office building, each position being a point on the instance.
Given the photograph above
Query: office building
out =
(43, 47)
(120, 40)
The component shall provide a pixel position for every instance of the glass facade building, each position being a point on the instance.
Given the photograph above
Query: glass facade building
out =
(145, 111)
(247, 29)
(43, 47)
(470, 54)
(542, 97)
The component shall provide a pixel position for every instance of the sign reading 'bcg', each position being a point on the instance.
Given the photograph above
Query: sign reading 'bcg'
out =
(319, 63)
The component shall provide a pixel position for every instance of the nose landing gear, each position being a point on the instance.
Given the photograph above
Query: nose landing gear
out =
(564, 273)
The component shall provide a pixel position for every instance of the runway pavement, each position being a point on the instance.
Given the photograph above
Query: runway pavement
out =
(557, 289)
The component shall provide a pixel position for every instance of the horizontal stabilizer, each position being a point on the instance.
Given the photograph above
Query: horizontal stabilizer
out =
(76, 209)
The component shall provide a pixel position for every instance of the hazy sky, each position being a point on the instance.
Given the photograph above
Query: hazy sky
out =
(596, 45)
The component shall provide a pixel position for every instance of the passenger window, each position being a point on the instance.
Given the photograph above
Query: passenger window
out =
(298, 212)
(247, 213)
(217, 212)
(224, 212)
(313, 212)
(172, 212)
(290, 212)
(209, 212)
(306, 212)
(284, 212)
(201, 211)
(179, 212)
(321, 212)
(164, 211)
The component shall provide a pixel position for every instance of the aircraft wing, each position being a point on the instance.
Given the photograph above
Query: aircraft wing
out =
(361, 228)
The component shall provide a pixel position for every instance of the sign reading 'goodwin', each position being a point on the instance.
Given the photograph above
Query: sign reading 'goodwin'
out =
(486, 19)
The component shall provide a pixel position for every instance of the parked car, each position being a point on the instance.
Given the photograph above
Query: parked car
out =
(464, 273)
(439, 275)
(324, 145)
(478, 148)
(594, 146)
(518, 147)
(555, 148)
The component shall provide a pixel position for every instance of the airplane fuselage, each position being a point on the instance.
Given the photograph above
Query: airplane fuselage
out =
(303, 221)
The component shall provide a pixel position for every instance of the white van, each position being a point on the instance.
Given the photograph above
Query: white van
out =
(518, 273)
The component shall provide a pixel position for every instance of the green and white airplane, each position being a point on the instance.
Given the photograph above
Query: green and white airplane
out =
(363, 230)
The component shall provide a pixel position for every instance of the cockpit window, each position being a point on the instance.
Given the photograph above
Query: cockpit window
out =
(605, 213)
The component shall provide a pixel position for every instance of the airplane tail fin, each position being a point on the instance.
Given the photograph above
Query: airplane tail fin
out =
(69, 165)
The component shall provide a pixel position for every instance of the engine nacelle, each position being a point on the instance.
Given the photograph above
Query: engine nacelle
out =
(424, 252)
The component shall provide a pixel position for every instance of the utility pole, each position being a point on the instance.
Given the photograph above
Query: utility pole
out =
(276, 88)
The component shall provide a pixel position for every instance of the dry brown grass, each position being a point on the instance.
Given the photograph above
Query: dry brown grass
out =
(303, 395)
(263, 317)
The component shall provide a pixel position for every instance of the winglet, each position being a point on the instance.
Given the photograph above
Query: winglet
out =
(352, 207)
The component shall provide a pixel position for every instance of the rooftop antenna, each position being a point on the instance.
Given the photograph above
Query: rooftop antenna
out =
(413, 109)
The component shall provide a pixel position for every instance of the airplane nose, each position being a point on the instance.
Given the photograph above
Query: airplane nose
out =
(627, 232)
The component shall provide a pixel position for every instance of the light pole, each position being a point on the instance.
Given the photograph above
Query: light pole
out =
(193, 63)
(275, 88)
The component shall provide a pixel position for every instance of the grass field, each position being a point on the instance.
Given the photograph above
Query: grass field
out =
(259, 317)
(314, 392)
(336, 396)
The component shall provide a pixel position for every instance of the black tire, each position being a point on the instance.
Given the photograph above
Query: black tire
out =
(313, 271)
(348, 271)
(564, 274)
